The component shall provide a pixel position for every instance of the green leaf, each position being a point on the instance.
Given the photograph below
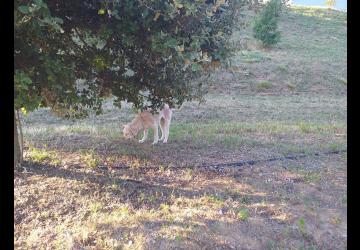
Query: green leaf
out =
(24, 9)
(24, 111)
(195, 67)
(57, 20)
(172, 43)
(38, 2)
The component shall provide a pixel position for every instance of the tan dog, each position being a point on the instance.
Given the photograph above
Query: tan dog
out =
(146, 120)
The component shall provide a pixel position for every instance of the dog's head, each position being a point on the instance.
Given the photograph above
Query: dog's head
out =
(127, 132)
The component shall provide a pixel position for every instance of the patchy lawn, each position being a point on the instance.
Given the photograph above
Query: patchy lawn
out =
(88, 188)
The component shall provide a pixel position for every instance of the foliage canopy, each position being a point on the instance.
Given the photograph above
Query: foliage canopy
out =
(69, 55)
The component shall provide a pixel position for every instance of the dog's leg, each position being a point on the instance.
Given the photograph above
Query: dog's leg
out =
(145, 135)
(166, 131)
(167, 126)
(156, 133)
(162, 128)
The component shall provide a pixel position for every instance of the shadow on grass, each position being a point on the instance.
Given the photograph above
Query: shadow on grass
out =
(146, 194)
(130, 189)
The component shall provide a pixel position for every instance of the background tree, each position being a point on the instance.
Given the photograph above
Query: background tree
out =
(70, 55)
(265, 27)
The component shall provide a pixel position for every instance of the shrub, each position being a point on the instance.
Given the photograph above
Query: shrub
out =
(265, 28)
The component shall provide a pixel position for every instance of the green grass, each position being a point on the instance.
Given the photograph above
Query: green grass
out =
(343, 81)
(121, 212)
(243, 214)
(213, 199)
(251, 56)
(43, 155)
(264, 85)
(95, 207)
(318, 62)
(90, 158)
(344, 199)
(301, 225)
(291, 86)
(312, 177)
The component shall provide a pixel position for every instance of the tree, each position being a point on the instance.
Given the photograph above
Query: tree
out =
(265, 27)
(70, 55)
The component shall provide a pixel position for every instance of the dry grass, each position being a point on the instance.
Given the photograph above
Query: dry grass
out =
(88, 188)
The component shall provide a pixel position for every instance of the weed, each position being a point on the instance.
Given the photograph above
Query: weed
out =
(336, 220)
(301, 225)
(162, 168)
(165, 208)
(250, 56)
(95, 207)
(189, 174)
(178, 238)
(283, 68)
(286, 232)
(312, 177)
(214, 199)
(291, 86)
(152, 198)
(42, 155)
(121, 212)
(264, 85)
(304, 127)
(245, 199)
(90, 159)
(343, 81)
(243, 214)
(334, 146)
(344, 199)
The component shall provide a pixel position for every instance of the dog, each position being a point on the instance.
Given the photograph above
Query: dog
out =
(146, 120)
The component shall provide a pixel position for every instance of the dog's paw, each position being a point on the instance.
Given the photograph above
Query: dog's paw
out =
(164, 141)
(141, 141)
(154, 142)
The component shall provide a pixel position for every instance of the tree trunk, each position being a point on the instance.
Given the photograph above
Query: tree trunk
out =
(17, 150)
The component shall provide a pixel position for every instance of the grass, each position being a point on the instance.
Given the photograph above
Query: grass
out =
(269, 103)
(291, 86)
(301, 225)
(251, 56)
(95, 207)
(312, 177)
(90, 159)
(243, 214)
(43, 155)
(264, 85)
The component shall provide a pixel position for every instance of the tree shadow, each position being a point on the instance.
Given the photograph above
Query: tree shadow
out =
(158, 191)
(142, 193)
